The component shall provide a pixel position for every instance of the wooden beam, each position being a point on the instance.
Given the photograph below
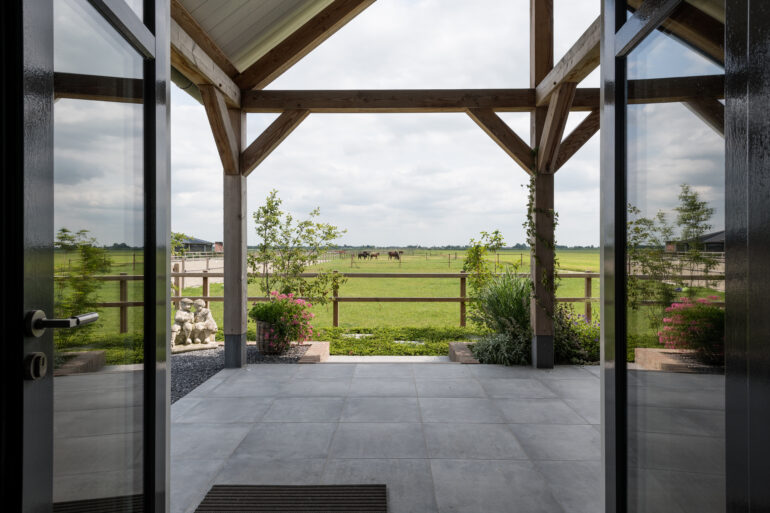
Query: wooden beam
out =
(300, 43)
(649, 15)
(221, 127)
(98, 88)
(577, 138)
(555, 120)
(710, 111)
(403, 100)
(504, 136)
(193, 62)
(190, 25)
(576, 64)
(679, 89)
(696, 28)
(270, 139)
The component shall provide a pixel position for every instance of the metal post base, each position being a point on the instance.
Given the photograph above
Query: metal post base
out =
(235, 351)
(542, 351)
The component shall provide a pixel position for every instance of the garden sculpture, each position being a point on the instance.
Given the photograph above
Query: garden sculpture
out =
(184, 321)
(205, 328)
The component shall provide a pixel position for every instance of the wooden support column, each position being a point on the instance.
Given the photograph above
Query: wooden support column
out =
(542, 251)
(235, 282)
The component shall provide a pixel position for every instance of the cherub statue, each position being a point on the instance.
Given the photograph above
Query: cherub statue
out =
(183, 323)
(205, 327)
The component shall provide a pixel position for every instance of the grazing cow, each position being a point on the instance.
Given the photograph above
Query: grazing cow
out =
(394, 254)
(373, 256)
(364, 255)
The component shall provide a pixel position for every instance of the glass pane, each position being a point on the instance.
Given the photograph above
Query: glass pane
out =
(99, 238)
(676, 264)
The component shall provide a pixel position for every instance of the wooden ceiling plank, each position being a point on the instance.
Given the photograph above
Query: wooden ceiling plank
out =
(576, 64)
(270, 139)
(300, 43)
(577, 138)
(193, 62)
(190, 25)
(504, 136)
(221, 127)
(555, 120)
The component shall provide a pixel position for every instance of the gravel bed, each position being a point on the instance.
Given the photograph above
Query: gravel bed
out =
(189, 370)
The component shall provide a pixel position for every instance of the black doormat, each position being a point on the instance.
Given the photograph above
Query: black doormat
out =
(299, 499)
(126, 504)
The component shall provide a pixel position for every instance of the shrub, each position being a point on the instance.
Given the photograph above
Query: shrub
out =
(289, 319)
(698, 325)
(575, 340)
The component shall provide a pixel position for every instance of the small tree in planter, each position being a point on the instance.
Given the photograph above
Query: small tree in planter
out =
(697, 325)
(280, 321)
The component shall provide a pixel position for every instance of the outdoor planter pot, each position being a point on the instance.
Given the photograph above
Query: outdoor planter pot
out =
(267, 343)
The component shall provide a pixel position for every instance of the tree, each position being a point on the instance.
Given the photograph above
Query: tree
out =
(693, 216)
(177, 243)
(477, 266)
(288, 247)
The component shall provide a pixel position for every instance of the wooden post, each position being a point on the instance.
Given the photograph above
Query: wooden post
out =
(449, 259)
(335, 308)
(462, 303)
(133, 265)
(205, 291)
(123, 308)
(176, 285)
(588, 298)
(184, 270)
(542, 253)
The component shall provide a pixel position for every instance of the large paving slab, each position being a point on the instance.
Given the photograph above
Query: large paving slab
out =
(443, 437)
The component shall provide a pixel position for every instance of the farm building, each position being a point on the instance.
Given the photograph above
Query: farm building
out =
(710, 242)
(194, 245)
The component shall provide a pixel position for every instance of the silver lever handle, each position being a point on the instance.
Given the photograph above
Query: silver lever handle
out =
(35, 322)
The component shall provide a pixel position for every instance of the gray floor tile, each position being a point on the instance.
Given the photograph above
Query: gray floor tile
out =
(564, 372)
(100, 453)
(703, 399)
(529, 388)
(441, 371)
(381, 409)
(460, 410)
(584, 388)
(262, 372)
(502, 371)
(382, 387)
(90, 381)
(97, 485)
(227, 410)
(589, 409)
(215, 441)
(325, 371)
(677, 421)
(684, 453)
(316, 388)
(103, 421)
(190, 482)
(596, 370)
(450, 388)
(245, 469)
(646, 493)
(180, 407)
(575, 484)
(558, 442)
(305, 409)
(472, 441)
(383, 370)
(378, 440)
(409, 481)
(538, 411)
(695, 493)
(288, 440)
(497, 486)
(252, 388)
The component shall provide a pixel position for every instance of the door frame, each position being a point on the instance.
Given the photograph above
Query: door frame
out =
(26, 218)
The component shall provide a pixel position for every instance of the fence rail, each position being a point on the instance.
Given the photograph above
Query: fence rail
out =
(462, 299)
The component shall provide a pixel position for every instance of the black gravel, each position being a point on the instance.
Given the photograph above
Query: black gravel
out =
(189, 370)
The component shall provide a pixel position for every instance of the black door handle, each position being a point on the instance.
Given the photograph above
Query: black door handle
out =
(35, 322)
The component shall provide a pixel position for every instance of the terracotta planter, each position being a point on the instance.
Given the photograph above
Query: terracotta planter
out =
(264, 343)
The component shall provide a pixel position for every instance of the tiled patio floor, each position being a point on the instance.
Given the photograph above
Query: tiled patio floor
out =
(443, 437)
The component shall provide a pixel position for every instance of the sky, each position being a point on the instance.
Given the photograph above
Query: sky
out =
(400, 179)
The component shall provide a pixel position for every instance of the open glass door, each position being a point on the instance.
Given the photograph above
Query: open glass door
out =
(85, 153)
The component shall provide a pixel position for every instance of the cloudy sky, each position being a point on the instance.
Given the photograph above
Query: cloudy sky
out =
(398, 179)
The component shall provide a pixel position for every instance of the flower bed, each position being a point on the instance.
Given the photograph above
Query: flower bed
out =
(280, 321)
(698, 325)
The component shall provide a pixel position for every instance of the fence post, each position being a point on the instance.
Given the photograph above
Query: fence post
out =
(123, 308)
(335, 307)
(206, 286)
(462, 303)
(134, 261)
(177, 283)
(588, 298)
(184, 270)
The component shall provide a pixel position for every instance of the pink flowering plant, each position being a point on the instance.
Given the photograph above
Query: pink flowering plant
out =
(288, 318)
(697, 325)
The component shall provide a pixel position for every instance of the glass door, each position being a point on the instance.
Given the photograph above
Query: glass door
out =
(85, 155)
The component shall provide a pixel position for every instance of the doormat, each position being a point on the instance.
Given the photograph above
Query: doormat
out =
(125, 504)
(296, 499)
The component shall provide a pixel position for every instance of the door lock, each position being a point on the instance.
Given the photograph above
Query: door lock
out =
(35, 366)
(35, 322)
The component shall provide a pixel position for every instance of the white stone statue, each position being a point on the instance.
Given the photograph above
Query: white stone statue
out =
(183, 326)
(205, 327)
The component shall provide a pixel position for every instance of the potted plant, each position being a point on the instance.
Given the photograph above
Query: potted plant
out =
(280, 321)
(696, 325)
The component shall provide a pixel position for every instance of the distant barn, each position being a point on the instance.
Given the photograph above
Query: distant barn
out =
(194, 245)
(710, 242)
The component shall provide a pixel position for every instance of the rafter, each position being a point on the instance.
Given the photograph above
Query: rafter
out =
(300, 43)
(504, 136)
(221, 127)
(271, 138)
(577, 138)
(577, 63)
(555, 120)
(649, 15)
(190, 25)
(710, 111)
(194, 63)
